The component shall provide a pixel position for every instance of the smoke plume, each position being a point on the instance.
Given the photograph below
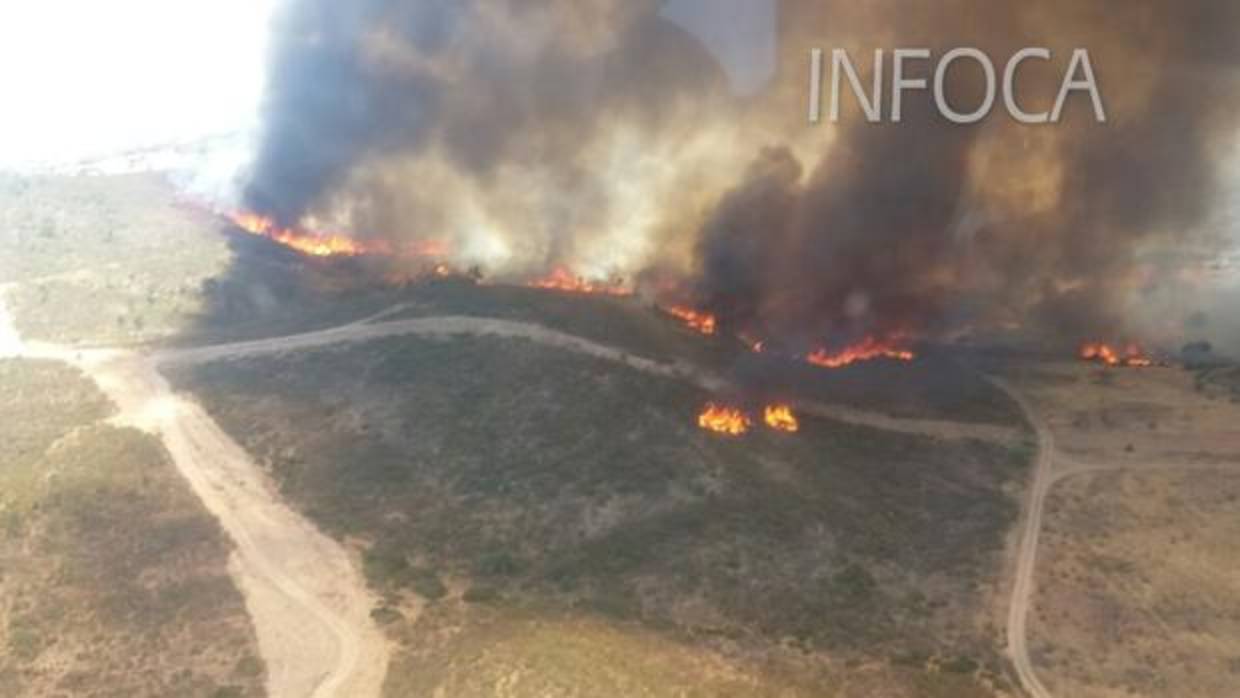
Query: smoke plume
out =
(606, 136)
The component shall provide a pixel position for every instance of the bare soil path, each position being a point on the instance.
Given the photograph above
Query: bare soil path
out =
(447, 326)
(1027, 553)
(1045, 476)
(309, 604)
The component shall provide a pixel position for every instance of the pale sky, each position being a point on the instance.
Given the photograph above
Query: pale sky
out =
(87, 77)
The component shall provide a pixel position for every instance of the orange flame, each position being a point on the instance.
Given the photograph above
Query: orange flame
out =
(561, 279)
(321, 244)
(781, 418)
(867, 350)
(702, 322)
(1131, 357)
(724, 420)
(314, 244)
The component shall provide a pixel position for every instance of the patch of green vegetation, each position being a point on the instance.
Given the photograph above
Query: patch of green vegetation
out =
(119, 564)
(556, 481)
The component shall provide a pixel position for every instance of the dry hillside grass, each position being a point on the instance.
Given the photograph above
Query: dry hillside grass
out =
(113, 579)
(1137, 591)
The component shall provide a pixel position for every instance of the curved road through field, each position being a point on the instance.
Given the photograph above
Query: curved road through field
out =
(309, 604)
(1045, 477)
(448, 326)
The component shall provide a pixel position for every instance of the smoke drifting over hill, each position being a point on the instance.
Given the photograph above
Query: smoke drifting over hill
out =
(604, 135)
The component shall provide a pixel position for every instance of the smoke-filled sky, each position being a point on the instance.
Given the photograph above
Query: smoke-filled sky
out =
(651, 139)
(83, 78)
(666, 141)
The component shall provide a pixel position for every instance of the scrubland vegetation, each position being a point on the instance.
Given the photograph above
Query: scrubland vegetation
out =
(113, 578)
(509, 483)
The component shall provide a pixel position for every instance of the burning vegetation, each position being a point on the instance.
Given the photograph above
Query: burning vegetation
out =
(313, 244)
(734, 421)
(724, 420)
(767, 226)
(1131, 356)
(868, 349)
(781, 418)
(561, 279)
(705, 323)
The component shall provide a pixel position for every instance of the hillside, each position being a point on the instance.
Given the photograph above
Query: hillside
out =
(113, 579)
(553, 521)
(511, 481)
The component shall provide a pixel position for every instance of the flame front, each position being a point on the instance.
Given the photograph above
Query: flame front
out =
(699, 321)
(314, 244)
(561, 279)
(867, 350)
(781, 418)
(1131, 356)
(724, 420)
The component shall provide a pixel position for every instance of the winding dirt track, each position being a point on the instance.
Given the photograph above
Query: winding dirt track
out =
(1027, 554)
(309, 604)
(1045, 477)
(447, 326)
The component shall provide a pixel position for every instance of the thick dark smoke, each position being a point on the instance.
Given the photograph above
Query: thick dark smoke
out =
(553, 129)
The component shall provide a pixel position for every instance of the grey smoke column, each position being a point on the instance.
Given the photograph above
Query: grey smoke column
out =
(394, 112)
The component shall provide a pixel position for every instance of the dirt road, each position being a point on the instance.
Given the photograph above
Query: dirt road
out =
(1027, 553)
(447, 326)
(309, 604)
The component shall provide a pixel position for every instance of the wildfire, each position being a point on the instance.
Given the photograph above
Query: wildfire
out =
(561, 279)
(314, 244)
(867, 350)
(702, 322)
(1130, 357)
(734, 421)
(781, 418)
(321, 244)
(724, 420)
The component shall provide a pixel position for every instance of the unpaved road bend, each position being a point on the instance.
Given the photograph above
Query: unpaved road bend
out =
(1027, 553)
(309, 604)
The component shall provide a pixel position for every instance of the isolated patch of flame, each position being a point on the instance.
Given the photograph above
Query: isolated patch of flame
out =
(868, 349)
(733, 421)
(705, 323)
(724, 420)
(561, 279)
(781, 418)
(1131, 356)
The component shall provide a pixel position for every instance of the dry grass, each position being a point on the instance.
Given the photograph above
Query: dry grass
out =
(104, 259)
(113, 578)
(1136, 594)
(1137, 591)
